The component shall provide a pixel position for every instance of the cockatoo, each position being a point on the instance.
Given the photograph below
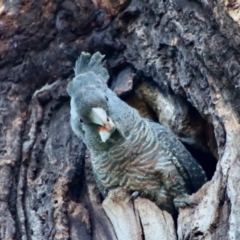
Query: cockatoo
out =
(129, 151)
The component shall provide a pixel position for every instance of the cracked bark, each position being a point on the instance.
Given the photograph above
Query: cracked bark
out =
(177, 62)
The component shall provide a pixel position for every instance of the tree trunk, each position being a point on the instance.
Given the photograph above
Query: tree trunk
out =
(176, 61)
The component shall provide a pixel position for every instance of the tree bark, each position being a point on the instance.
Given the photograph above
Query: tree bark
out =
(177, 62)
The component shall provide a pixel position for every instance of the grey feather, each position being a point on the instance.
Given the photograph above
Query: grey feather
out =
(87, 63)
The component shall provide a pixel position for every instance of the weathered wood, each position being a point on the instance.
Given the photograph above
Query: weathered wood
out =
(139, 219)
(122, 215)
(156, 224)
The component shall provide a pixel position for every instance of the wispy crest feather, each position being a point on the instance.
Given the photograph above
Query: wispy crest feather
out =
(87, 63)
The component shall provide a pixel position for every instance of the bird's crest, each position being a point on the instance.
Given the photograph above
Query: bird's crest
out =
(87, 63)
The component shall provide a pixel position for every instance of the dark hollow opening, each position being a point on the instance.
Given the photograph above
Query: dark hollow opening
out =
(206, 160)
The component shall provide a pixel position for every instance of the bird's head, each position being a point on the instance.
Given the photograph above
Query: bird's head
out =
(90, 102)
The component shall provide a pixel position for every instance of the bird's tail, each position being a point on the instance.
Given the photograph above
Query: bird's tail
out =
(87, 63)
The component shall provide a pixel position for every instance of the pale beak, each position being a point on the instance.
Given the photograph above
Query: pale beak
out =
(106, 125)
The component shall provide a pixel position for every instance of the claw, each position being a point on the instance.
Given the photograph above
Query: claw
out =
(183, 201)
(134, 195)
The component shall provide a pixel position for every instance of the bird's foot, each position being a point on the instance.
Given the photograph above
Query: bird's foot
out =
(183, 201)
(134, 195)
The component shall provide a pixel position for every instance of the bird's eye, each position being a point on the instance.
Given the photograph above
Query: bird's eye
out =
(107, 119)
(106, 98)
(81, 121)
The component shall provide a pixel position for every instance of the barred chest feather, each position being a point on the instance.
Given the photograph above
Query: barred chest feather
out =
(134, 164)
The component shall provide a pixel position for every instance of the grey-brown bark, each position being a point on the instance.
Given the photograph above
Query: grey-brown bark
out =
(175, 61)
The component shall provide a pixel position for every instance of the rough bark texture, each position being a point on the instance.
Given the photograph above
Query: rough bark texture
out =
(176, 61)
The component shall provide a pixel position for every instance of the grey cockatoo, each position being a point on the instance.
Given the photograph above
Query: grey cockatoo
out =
(127, 150)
